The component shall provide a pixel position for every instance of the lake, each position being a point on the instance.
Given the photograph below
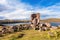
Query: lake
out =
(12, 24)
(52, 24)
(55, 23)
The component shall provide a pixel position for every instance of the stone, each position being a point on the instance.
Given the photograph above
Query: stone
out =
(15, 28)
(46, 25)
(53, 28)
(10, 30)
(4, 30)
(44, 28)
(35, 20)
(1, 34)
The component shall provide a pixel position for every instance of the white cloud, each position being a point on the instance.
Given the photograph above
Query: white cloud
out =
(19, 10)
(50, 11)
(2, 1)
(16, 10)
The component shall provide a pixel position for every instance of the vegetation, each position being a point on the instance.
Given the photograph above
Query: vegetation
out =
(26, 21)
(33, 35)
(51, 20)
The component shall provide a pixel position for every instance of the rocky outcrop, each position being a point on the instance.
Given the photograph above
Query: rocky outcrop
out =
(35, 20)
(45, 26)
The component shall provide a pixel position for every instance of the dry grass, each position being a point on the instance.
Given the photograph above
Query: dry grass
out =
(51, 20)
(33, 35)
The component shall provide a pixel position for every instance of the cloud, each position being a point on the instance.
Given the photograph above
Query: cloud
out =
(3, 1)
(50, 11)
(15, 9)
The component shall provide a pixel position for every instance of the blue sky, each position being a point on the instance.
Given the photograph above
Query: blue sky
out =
(22, 9)
(43, 3)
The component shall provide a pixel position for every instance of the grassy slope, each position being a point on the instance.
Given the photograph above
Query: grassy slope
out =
(51, 20)
(33, 35)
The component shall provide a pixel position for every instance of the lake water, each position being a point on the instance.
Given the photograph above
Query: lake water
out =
(52, 24)
(12, 24)
(55, 23)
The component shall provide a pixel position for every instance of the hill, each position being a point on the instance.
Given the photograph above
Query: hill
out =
(51, 20)
(26, 21)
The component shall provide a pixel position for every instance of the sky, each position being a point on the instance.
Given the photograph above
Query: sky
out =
(22, 9)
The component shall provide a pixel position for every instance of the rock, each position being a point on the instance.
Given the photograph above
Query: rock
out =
(10, 30)
(53, 28)
(40, 25)
(58, 26)
(47, 25)
(44, 28)
(35, 20)
(19, 28)
(1, 34)
(4, 30)
(15, 28)
(33, 27)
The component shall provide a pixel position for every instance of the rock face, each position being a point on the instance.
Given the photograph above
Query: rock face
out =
(35, 20)
(4, 30)
(1, 34)
(25, 27)
(45, 26)
(35, 23)
(48, 25)
(15, 28)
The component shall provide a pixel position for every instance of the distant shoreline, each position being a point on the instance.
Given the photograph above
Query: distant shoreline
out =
(27, 21)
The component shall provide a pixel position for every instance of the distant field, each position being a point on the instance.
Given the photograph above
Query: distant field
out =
(26, 21)
(51, 20)
(33, 35)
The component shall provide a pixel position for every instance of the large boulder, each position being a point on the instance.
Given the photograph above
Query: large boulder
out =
(26, 27)
(46, 25)
(4, 30)
(1, 34)
(19, 27)
(44, 28)
(10, 30)
(15, 28)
